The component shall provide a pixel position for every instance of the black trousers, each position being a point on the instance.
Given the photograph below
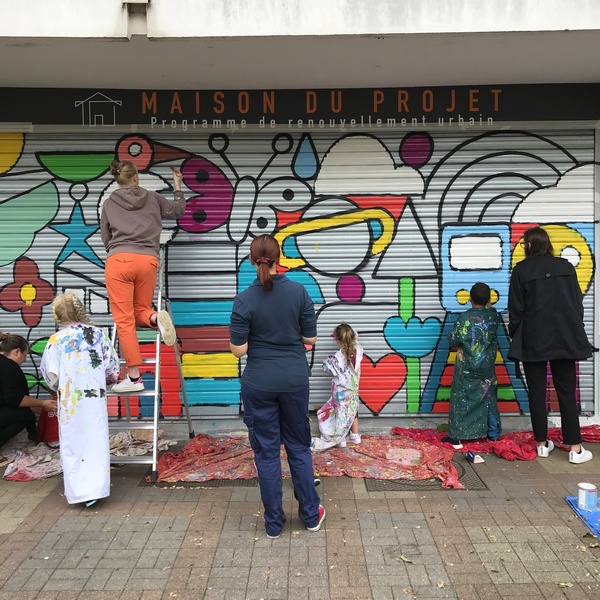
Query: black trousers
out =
(14, 420)
(565, 381)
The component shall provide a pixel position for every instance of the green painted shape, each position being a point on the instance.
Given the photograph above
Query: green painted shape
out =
(406, 310)
(504, 393)
(76, 167)
(443, 393)
(22, 217)
(31, 381)
(413, 384)
(406, 288)
(39, 346)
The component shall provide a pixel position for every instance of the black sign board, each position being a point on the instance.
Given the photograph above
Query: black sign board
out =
(267, 108)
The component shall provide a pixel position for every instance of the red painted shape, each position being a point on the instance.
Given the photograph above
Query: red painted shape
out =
(517, 230)
(163, 153)
(502, 375)
(441, 406)
(506, 406)
(446, 378)
(380, 381)
(393, 204)
(204, 339)
(285, 218)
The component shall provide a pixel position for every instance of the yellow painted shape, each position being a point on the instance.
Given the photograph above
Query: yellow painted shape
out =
(11, 146)
(563, 237)
(218, 364)
(462, 296)
(338, 220)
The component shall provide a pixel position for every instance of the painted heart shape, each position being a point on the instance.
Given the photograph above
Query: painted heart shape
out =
(380, 381)
(414, 338)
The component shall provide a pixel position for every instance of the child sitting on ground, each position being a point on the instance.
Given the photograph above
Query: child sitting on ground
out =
(338, 420)
(473, 397)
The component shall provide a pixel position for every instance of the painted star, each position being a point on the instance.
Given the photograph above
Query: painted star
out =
(78, 233)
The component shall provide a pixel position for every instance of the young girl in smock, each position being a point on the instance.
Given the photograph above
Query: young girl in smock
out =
(338, 419)
(78, 362)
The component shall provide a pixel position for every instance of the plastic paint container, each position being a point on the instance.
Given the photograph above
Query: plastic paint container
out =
(587, 496)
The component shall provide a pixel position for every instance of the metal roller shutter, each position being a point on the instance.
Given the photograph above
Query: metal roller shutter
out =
(385, 227)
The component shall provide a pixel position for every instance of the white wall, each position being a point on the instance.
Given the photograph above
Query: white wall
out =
(241, 18)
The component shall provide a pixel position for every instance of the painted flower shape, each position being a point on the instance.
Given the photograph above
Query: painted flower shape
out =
(27, 293)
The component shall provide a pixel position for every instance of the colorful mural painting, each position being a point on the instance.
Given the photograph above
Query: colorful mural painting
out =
(387, 230)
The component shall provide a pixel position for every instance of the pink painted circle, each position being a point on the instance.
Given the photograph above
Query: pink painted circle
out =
(416, 149)
(350, 288)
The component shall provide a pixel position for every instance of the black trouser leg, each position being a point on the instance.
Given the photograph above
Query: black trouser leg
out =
(535, 374)
(564, 375)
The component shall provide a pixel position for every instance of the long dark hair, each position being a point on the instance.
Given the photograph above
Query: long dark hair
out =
(264, 251)
(537, 242)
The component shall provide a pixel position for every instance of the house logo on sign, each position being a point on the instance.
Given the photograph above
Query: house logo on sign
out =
(99, 110)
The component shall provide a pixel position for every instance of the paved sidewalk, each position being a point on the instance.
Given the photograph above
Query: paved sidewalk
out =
(519, 539)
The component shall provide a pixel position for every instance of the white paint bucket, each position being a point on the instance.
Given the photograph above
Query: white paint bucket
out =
(587, 496)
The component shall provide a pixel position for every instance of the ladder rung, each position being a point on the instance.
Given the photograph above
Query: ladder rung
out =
(127, 425)
(109, 393)
(140, 460)
(145, 361)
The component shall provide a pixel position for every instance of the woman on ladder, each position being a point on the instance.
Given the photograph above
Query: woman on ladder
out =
(130, 226)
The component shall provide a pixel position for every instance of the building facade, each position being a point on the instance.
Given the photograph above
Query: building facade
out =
(391, 193)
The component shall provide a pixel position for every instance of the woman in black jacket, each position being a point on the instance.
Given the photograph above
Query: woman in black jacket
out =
(15, 401)
(546, 326)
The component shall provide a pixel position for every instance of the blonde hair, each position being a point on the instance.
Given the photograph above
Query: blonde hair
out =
(346, 336)
(123, 171)
(12, 341)
(68, 308)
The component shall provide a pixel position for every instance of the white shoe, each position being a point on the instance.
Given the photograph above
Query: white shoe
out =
(544, 451)
(342, 443)
(166, 328)
(354, 438)
(127, 386)
(580, 457)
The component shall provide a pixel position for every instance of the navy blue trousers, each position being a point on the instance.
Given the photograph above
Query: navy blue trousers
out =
(275, 418)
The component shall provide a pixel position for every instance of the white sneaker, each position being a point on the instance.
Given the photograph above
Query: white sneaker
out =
(580, 457)
(166, 328)
(127, 386)
(544, 451)
(354, 438)
(342, 443)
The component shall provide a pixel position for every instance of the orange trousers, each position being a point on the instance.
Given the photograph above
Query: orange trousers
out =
(130, 283)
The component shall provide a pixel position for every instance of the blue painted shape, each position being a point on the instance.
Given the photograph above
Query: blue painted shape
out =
(77, 233)
(306, 159)
(516, 382)
(376, 228)
(413, 338)
(586, 230)
(290, 248)
(438, 364)
(202, 312)
(147, 402)
(309, 282)
(493, 238)
(213, 392)
(246, 275)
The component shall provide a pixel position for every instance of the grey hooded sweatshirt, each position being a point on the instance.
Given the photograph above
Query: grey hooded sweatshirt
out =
(131, 219)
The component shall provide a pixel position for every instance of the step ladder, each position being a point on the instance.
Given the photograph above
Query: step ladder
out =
(139, 421)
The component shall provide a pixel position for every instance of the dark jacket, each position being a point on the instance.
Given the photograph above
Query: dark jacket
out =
(545, 311)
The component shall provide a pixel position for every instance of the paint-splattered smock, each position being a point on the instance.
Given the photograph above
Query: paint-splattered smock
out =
(474, 384)
(78, 362)
(337, 414)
